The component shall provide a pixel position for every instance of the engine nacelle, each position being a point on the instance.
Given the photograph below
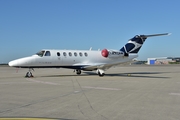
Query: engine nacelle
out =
(112, 53)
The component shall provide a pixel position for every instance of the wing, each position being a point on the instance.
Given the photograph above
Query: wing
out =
(90, 66)
(95, 66)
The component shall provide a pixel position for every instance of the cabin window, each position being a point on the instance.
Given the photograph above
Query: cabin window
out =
(75, 54)
(58, 54)
(41, 53)
(64, 53)
(80, 54)
(85, 54)
(47, 53)
(70, 54)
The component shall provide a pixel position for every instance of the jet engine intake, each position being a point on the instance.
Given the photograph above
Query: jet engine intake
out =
(112, 53)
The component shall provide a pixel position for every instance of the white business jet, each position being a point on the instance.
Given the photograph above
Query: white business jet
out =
(86, 60)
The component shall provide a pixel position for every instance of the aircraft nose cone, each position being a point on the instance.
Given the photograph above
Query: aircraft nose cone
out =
(13, 63)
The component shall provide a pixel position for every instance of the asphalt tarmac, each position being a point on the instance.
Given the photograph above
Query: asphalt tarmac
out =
(137, 92)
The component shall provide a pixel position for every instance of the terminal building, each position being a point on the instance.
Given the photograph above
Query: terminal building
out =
(163, 60)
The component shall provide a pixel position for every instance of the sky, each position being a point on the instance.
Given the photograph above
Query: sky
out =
(27, 26)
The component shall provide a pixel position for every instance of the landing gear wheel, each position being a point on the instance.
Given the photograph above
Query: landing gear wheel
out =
(29, 74)
(100, 74)
(78, 72)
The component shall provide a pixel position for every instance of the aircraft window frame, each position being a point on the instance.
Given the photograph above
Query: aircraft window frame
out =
(85, 54)
(80, 54)
(40, 53)
(47, 53)
(70, 54)
(58, 54)
(64, 53)
(75, 54)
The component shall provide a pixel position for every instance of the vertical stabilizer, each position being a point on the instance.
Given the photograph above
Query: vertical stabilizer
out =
(135, 44)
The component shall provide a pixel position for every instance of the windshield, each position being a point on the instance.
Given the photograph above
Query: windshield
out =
(41, 53)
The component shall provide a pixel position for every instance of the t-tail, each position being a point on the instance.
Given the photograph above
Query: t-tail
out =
(135, 44)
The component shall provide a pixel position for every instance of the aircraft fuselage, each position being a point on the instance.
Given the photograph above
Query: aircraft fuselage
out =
(75, 59)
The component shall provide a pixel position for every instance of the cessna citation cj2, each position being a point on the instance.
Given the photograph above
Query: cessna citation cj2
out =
(86, 60)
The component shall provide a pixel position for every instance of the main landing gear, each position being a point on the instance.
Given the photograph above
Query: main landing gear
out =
(100, 72)
(78, 72)
(29, 73)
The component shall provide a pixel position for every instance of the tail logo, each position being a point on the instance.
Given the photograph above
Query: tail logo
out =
(134, 44)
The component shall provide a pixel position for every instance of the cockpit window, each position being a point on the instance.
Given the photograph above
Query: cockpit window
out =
(47, 53)
(41, 53)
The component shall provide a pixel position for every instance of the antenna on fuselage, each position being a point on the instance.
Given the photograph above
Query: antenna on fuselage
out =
(90, 48)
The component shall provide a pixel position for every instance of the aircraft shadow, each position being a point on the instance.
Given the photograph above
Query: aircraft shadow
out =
(130, 74)
(133, 74)
(24, 118)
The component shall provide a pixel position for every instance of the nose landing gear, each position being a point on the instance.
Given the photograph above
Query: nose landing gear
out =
(29, 73)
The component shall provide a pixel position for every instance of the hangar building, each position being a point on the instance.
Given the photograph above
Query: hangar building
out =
(162, 60)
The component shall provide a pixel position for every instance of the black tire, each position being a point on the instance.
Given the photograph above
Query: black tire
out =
(78, 72)
(29, 74)
(101, 75)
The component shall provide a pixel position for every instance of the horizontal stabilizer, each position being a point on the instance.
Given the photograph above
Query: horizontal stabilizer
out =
(153, 35)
